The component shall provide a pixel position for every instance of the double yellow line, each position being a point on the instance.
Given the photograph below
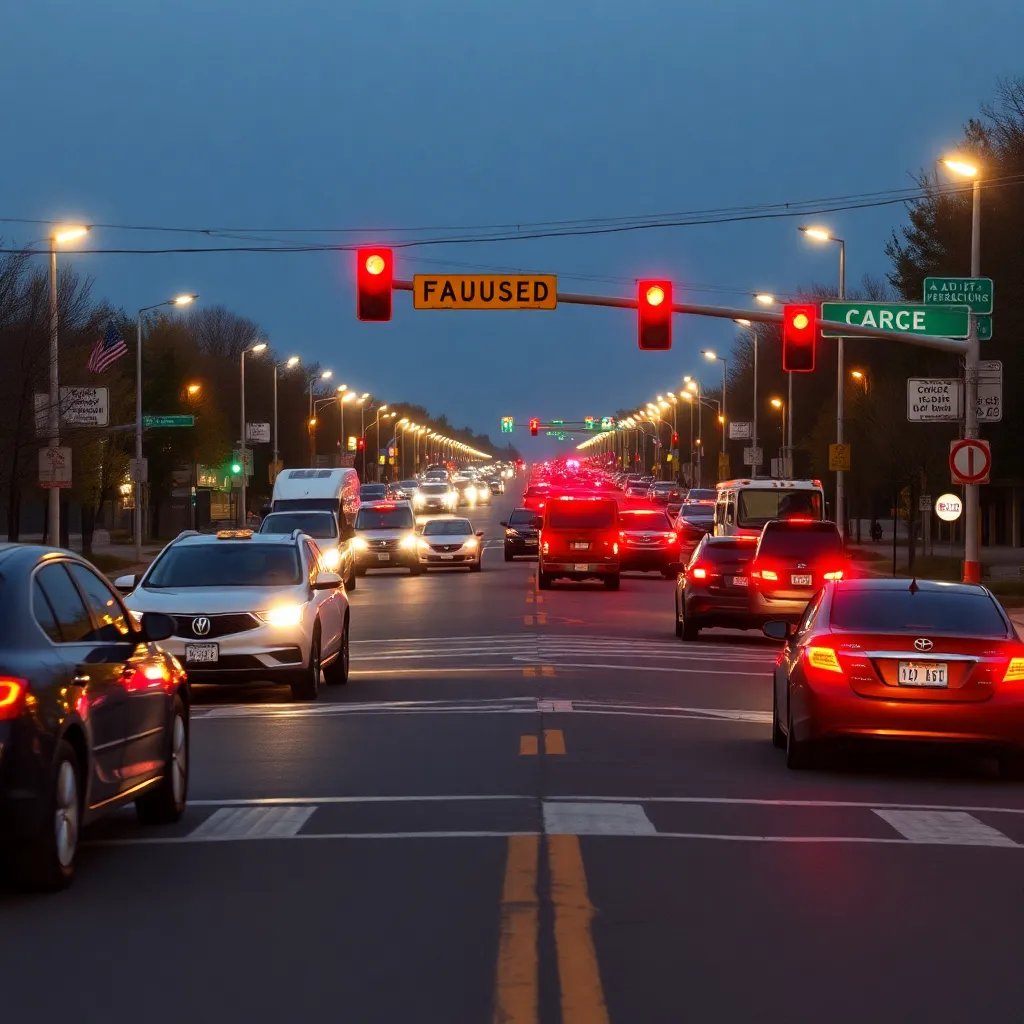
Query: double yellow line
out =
(516, 995)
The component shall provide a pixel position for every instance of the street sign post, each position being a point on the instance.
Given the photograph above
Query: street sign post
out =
(168, 421)
(905, 317)
(484, 291)
(740, 430)
(839, 457)
(258, 433)
(970, 461)
(975, 293)
(54, 467)
(138, 470)
(990, 391)
(753, 456)
(934, 399)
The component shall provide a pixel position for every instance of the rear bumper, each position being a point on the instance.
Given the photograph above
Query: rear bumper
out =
(572, 570)
(725, 610)
(654, 560)
(767, 607)
(23, 781)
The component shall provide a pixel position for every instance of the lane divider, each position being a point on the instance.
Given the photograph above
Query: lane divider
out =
(528, 745)
(515, 1000)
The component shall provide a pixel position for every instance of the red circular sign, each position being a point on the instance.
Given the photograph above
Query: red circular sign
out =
(970, 461)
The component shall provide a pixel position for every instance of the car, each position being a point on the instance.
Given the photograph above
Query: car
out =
(483, 492)
(466, 487)
(713, 587)
(437, 474)
(333, 538)
(579, 540)
(496, 484)
(664, 492)
(535, 497)
(448, 541)
(330, 490)
(647, 542)
(636, 491)
(435, 496)
(374, 492)
(386, 537)
(899, 660)
(695, 519)
(520, 533)
(709, 494)
(405, 490)
(793, 558)
(249, 607)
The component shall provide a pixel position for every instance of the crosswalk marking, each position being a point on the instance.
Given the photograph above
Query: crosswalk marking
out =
(254, 823)
(949, 828)
(596, 819)
(554, 705)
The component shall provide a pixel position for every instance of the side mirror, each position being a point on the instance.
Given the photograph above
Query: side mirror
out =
(504, 522)
(126, 584)
(156, 626)
(479, 533)
(327, 581)
(778, 629)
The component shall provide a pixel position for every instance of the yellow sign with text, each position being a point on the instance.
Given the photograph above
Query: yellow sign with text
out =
(485, 291)
(839, 457)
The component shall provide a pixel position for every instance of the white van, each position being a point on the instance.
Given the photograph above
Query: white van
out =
(331, 490)
(744, 506)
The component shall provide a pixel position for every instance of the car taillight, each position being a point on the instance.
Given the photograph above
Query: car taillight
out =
(670, 535)
(836, 574)
(615, 547)
(699, 572)
(544, 547)
(823, 658)
(1014, 671)
(12, 696)
(764, 574)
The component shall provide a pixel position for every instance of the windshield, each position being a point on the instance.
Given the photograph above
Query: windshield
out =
(701, 494)
(433, 489)
(522, 517)
(804, 543)
(644, 521)
(409, 485)
(571, 515)
(306, 504)
(447, 528)
(318, 525)
(227, 564)
(757, 507)
(696, 510)
(385, 518)
(926, 611)
(372, 491)
(666, 487)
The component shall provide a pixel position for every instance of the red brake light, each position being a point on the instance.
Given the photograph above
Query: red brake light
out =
(837, 575)
(823, 658)
(699, 572)
(12, 696)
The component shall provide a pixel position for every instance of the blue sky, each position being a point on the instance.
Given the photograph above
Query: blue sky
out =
(314, 113)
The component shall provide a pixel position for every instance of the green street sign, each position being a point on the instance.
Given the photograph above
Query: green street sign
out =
(607, 422)
(168, 421)
(589, 423)
(984, 324)
(507, 424)
(973, 292)
(908, 317)
(558, 423)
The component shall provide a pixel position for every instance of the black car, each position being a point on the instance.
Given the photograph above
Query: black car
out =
(713, 588)
(374, 492)
(93, 714)
(520, 533)
(693, 521)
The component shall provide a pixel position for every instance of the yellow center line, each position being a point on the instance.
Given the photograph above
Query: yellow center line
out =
(527, 620)
(530, 670)
(515, 1000)
(529, 597)
(528, 745)
(542, 618)
(547, 670)
(578, 972)
(554, 741)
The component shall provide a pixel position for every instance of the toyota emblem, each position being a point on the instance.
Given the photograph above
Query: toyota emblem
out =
(201, 625)
(923, 644)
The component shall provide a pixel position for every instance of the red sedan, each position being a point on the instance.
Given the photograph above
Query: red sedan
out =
(895, 659)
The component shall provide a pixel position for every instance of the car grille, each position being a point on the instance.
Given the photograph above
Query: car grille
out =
(220, 625)
(445, 547)
(382, 545)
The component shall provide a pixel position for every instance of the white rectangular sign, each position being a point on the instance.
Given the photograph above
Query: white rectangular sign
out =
(934, 399)
(741, 431)
(259, 433)
(753, 456)
(79, 407)
(54, 467)
(990, 391)
(138, 469)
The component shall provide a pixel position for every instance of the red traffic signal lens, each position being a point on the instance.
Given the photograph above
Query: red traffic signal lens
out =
(375, 264)
(374, 276)
(655, 295)
(534, 426)
(799, 337)
(654, 315)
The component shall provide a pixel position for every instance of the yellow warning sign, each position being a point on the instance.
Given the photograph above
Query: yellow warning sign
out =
(486, 291)
(839, 457)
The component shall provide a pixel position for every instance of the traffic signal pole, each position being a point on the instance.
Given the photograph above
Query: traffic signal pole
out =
(972, 502)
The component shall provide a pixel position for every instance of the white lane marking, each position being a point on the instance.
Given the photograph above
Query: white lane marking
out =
(554, 705)
(275, 801)
(636, 667)
(596, 819)
(182, 840)
(950, 828)
(253, 823)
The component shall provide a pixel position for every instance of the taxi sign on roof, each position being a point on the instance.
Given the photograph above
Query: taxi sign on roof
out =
(484, 291)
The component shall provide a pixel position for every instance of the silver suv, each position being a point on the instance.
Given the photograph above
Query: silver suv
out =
(386, 537)
(248, 607)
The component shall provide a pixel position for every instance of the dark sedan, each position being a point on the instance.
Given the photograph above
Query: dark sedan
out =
(93, 714)
(520, 533)
(695, 519)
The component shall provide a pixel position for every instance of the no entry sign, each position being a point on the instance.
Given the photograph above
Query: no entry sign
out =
(970, 461)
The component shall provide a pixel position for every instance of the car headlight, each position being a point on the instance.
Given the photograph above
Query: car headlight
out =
(509, 532)
(359, 544)
(419, 500)
(423, 545)
(408, 542)
(283, 615)
(331, 559)
(471, 544)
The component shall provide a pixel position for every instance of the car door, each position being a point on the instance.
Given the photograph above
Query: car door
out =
(328, 604)
(791, 654)
(92, 672)
(146, 682)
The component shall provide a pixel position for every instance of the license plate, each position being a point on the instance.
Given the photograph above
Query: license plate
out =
(739, 581)
(383, 558)
(581, 567)
(801, 581)
(448, 557)
(923, 673)
(531, 542)
(580, 545)
(199, 653)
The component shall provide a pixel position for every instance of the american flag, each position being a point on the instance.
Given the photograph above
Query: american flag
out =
(107, 350)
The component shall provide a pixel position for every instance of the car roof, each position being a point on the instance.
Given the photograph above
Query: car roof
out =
(888, 584)
(194, 539)
(801, 525)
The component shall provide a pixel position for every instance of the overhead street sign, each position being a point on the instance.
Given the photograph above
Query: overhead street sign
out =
(934, 399)
(908, 317)
(990, 390)
(484, 291)
(948, 507)
(740, 430)
(168, 421)
(973, 292)
(607, 422)
(970, 461)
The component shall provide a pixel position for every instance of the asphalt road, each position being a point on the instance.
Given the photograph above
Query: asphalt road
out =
(531, 807)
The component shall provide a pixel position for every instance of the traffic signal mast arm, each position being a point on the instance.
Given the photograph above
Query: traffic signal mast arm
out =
(760, 316)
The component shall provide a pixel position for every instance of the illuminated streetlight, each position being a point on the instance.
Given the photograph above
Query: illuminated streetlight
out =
(255, 350)
(962, 167)
(818, 234)
(765, 298)
(194, 389)
(69, 233)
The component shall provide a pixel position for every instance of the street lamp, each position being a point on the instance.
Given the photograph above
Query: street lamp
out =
(711, 357)
(343, 397)
(289, 364)
(256, 349)
(778, 403)
(861, 377)
(824, 235)
(324, 375)
(179, 300)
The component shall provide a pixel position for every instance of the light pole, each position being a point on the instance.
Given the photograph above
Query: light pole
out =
(324, 375)
(376, 437)
(778, 403)
(711, 357)
(693, 386)
(289, 364)
(255, 350)
(823, 235)
(405, 425)
(180, 300)
(344, 395)
(972, 497)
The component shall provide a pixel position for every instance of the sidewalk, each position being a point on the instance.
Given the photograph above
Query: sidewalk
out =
(999, 557)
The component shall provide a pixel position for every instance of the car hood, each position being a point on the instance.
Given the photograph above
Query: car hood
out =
(447, 538)
(371, 535)
(212, 600)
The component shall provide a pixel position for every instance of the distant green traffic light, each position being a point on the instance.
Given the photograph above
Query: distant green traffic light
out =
(236, 468)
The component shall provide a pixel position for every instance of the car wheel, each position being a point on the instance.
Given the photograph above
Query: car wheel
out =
(508, 555)
(415, 570)
(668, 574)
(336, 674)
(350, 582)
(543, 580)
(778, 736)
(612, 582)
(689, 628)
(477, 565)
(308, 688)
(46, 861)
(799, 753)
(1011, 765)
(165, 803)
(679, 621)
(360, 571)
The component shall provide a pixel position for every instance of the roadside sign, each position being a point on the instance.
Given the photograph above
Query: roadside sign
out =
(507, 424)
(484, 291)
(741, 431)
(973, 292)
(79, 407)
(941, 321)
(353, 443)
(54, 467)
(984, 327)
(138, 470)
(753, 456)
(970, 461)
(990, 390)
(924, 503)
(948, 507)
(168, 421)
(839, 457)
(934, 399)
(258, 433)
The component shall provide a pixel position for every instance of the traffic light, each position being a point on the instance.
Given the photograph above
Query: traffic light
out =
(675, 440)
(374, 273)
(799, 336)
(360, 444)
(654, 315)
(534, 427)
(236, 468)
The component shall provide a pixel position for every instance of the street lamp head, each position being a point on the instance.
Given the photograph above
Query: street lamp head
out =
(194, 389)
(708, 354)
(312, 421)
(327, 375)
(348, 396)
(69, 233)
(365, 395)
(743, 323)
(184, 300)
(687, 395)
(292, 361)
(721, 419)
(403, 422)
(818, 234)
(663, 404)
(382, 408)
(777, 403)
(857, 374)
(259, 347)
(765, 298)
(960, 166)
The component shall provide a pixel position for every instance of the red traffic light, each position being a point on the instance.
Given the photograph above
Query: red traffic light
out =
(534, 427)
(361, 444)
(799, 336)
(375, 270)
(675, 440)
(654, 315)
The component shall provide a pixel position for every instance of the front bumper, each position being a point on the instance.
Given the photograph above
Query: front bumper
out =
(522, 545)
(433, 558)
(263, 653)
(374, 560)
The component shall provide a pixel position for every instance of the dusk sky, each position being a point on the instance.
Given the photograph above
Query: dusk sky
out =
(251, 114)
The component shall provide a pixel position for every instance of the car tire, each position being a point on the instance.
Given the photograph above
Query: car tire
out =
(360, 571)
(612, 582)
(689, 628)
(668, 574)
(508, 555)
(477, 565)
(308, 688)
(679, 621)
(415, 570)
(778, 736)
(1011, 765)
(350, 583)
(799, 753)
(543, 580)
(336, 674)
(46, 861)
(165, 803)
